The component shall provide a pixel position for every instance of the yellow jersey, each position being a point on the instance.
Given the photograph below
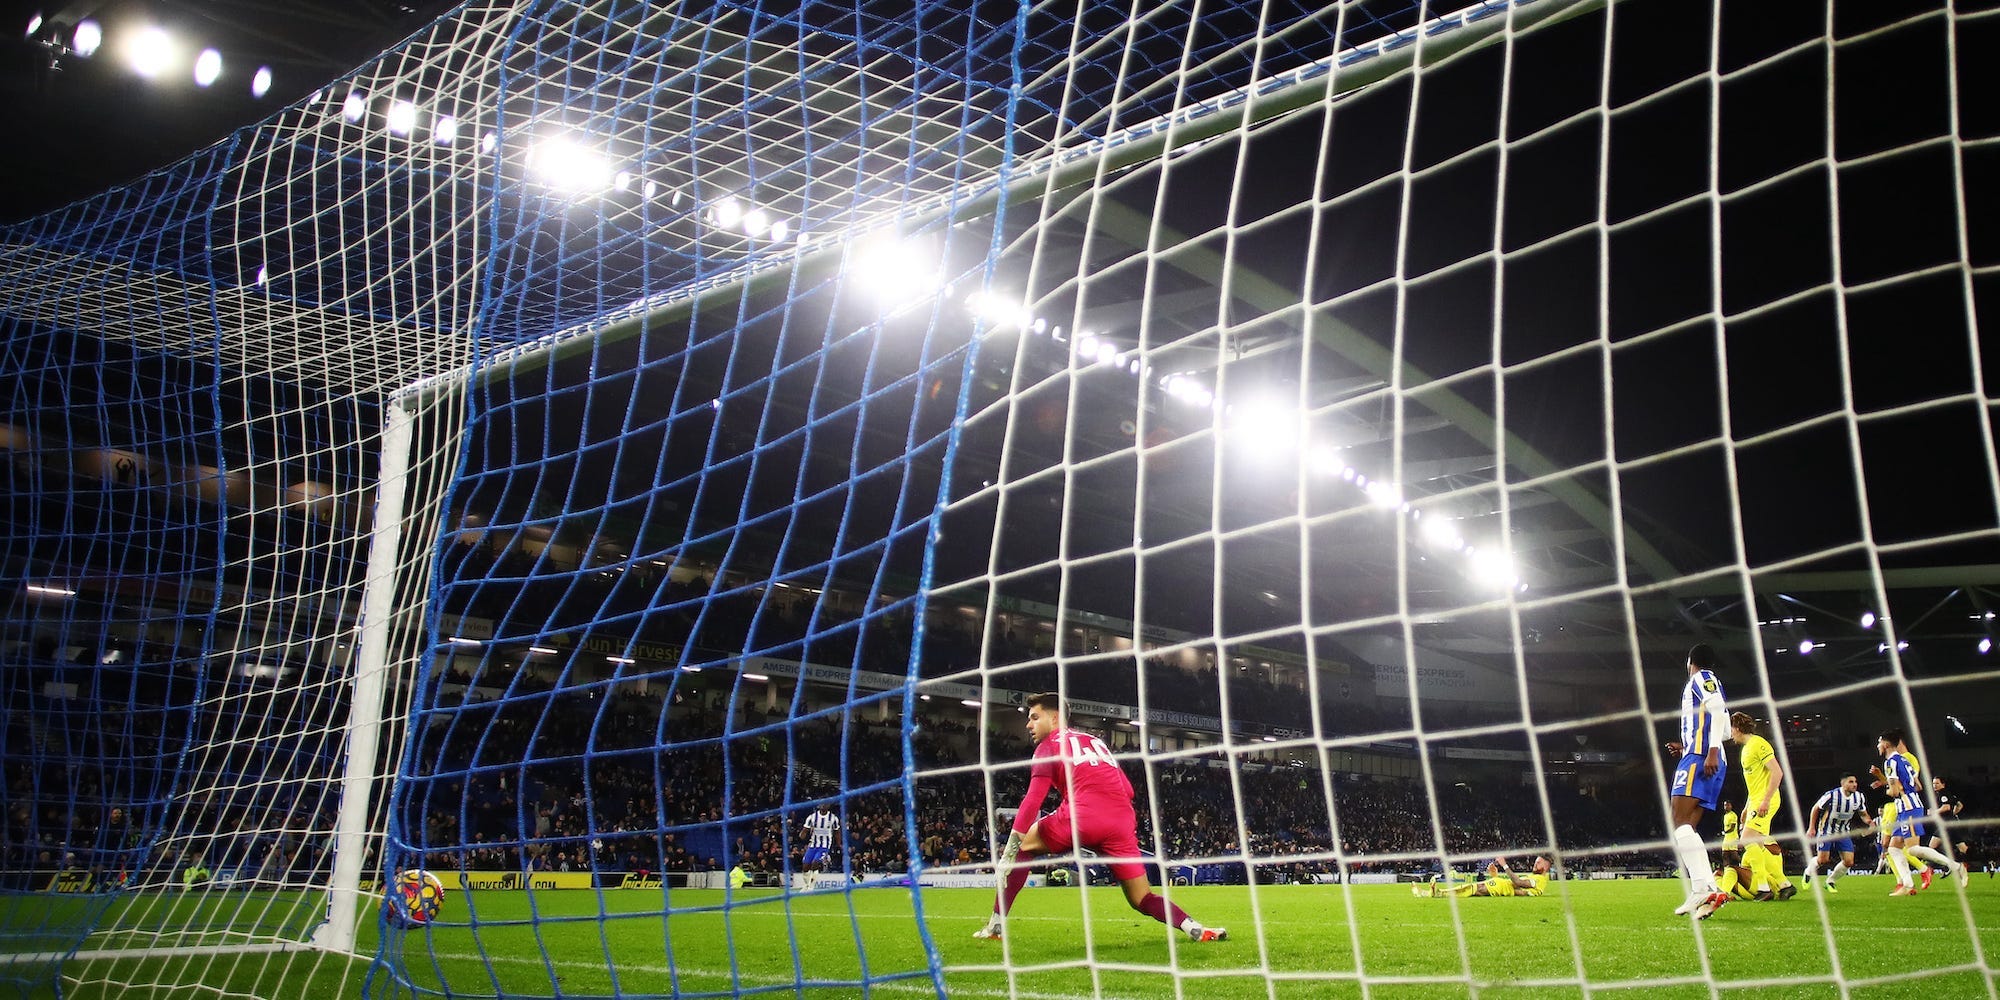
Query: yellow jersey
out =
(1756, 754)
(1729, 830)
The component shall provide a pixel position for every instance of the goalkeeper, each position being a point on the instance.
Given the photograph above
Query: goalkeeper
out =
(1096, 812)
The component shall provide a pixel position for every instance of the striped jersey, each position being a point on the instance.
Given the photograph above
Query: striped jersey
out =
(1902, 766)
(1703, 722)
(822, 825)
(1838, 810)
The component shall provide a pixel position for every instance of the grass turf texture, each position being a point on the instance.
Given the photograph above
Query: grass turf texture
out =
(1623, 935)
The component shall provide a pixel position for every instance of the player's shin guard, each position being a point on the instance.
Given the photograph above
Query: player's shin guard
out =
(1017, 879)
(1157, 907)
(1694, 859)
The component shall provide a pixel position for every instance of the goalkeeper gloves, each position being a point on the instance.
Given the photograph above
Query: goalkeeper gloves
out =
(1013, 847)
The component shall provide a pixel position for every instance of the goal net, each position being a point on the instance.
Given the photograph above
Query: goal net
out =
(639, 463)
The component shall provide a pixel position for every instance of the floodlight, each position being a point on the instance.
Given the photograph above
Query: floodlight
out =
(355, 106)
(402, 117)
(1107, 354)
(207, 67)
(487, 142)
(1266, 428)
(1494, 568)
(969, 702)
(1384, 495)
(445, 130)
(568, 165)
(895, 270)
(1439, 532)
(1986, 645)
(150, 51)
(778, 231)
(998, 311)
(755, 222)
(1326, 461)
(260, 82)
(263, 274)
(1806, 646)
(623, 181)
(728, 212)
(34, 23)
(652, 188)
(87, 38)
(1867, 619)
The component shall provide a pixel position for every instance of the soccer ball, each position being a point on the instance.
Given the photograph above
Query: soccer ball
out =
(414, 899)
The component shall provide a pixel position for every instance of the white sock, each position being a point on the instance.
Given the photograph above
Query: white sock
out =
(1190, 927)
(1927, 854)
(1812, 867)
(1902, 866)
(1694, 859)
(1838, 870)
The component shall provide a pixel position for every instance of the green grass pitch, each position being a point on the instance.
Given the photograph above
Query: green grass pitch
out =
(1615, 935)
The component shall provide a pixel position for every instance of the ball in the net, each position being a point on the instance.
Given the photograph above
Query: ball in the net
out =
(415, 899)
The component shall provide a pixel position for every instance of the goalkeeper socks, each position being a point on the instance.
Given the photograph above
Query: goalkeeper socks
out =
(1157, 907)
(1694, 859)
(1017, 879)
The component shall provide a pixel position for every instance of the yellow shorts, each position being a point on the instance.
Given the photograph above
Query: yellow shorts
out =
(1499, 885)
(1759, 826)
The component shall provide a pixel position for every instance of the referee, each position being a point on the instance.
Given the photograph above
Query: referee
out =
(1945, 806)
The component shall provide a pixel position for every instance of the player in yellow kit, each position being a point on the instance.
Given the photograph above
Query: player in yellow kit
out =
(1499, 881)
(1762, 777)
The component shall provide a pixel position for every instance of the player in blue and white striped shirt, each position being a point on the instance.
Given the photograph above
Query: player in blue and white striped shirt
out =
(1832, 827)
(1698, 775)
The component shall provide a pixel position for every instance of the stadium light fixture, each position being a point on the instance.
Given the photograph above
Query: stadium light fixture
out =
(970, 702)
(1439, 532)
(260, 82)
(626, 660)
(34, 23)
(87, 38)
(50, 590)
(1806, 646)
(691, 669)
(487, 142)
(1985, 645)
(542, 650)
(1494, 568)
(1384, 495)
(756, 677)
(779, 230)
(728, 212)
(207, 67)
(756, 222)
(263, 273)
(459, 640)
(567, 165)
(445, 130)
(895, 270)
(402, 117)
(1266, 429)
(1867, 619)
(355, 106)
(652, 188)
(150, 51)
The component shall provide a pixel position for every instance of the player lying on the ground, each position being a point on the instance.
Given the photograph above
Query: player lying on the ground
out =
(1096, 812)
(1499, 881)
